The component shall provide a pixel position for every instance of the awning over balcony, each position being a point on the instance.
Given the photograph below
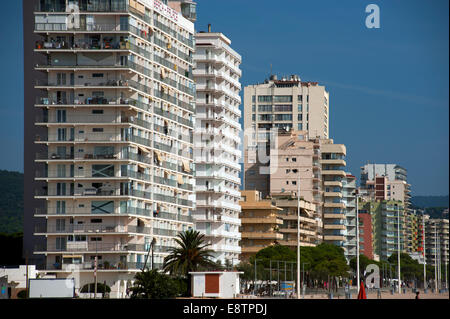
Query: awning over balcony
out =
(143, 150)
(180, 179)
(158, 156)
(186, 167)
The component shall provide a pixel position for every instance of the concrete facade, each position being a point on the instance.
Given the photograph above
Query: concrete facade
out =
(284, 105)
(113, 120)
(260, 223)
(217, 141)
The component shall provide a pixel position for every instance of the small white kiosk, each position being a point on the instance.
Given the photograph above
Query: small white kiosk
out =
(215, 284)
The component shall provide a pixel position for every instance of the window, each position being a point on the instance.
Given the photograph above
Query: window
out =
(283, 108)
(294, 159)
(60, 207)
(282, 98)
(102, 207)
(287, 182)
(253, 98)
(61, 116)
(102, 170)
(97, 75)
(300, 117)
(264, 108)
(97, 129)
(283, 117)
(97, 111)
(265, 98)
(300, 98)
(288, 171)
(265, 117)
(76, 238)
(96, 239)
(300, 127)
(300, 108)
(287, 159)
(294, 182)
(96, 221)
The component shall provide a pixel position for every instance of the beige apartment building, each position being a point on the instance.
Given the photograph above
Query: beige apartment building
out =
(317, 166)
(284, 105)
(260, 223)
(310, 224)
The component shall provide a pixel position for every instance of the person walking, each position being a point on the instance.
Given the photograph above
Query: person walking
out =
(417, 295)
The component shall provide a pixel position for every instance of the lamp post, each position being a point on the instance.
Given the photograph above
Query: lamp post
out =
(298, 235)
(435, 257)
(357, 240)
(303, 277)
(424, 256)
(254, 286)
(398, 245)
(96, 265)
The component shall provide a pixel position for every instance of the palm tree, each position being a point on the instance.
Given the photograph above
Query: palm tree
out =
(150, 284)
(190, 255)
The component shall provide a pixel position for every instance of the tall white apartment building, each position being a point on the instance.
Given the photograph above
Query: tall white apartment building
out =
(349, 199)
(216, 144)
(117, 107)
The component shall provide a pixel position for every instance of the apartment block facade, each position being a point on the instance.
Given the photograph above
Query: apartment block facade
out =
(386, 217)
(334, 206)
(349, 199)
(217, 142)
(310, 224)
(261, 224)
(279, 105)
(436, 241)
(114, 123)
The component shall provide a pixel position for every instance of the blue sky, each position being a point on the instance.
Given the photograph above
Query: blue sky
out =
(388, 87)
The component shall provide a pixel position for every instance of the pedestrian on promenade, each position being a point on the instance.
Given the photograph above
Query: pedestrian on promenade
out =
(417, 294)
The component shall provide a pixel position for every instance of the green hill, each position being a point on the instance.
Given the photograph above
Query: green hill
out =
(429, 201)
(11, 202)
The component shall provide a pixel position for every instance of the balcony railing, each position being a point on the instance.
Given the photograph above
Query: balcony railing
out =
(88, 6)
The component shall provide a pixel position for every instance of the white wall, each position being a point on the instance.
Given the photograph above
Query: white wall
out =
(18, 275)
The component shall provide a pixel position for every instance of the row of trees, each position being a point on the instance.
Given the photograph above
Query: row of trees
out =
(410, 269)
(325, 267)
(190, 255)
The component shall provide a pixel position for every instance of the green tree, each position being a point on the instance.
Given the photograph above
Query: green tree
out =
(190, 255)
(150, 284)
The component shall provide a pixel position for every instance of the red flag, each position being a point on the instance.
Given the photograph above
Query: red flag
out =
(362, 292)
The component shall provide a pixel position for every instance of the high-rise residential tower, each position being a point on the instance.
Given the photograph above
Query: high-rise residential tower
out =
(114, 120)
(349, 198)
(286, 104)
(217, 142)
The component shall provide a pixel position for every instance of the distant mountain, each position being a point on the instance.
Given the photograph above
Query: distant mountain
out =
(11, 202)
(430, 201)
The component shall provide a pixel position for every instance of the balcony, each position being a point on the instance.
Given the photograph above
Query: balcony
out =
(261, 235)
(333, 216)
(262, 220)
(334, 237)
(334, 205)
(88, 6)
